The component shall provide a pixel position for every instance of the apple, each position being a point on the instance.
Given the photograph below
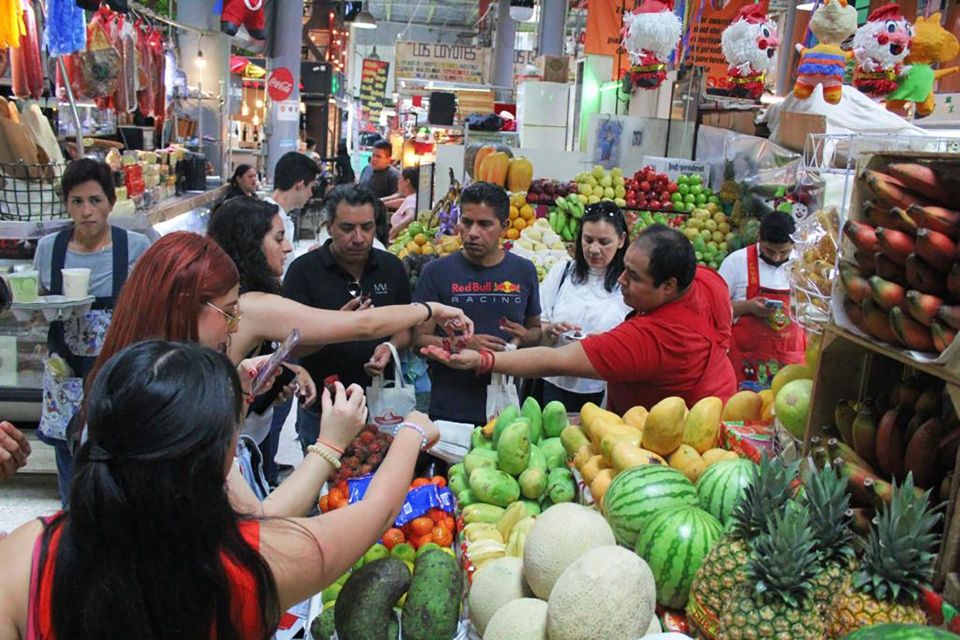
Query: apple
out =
(695, 179)
(654, 205)
(598, 171)
(533, 198)
(645, 186)
(690, 199)
(606, 181)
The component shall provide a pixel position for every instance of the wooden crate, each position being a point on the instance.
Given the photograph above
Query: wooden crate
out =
(854, 367)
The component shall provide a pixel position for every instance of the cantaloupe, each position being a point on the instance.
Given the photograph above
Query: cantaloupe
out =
(663, 429)
(654, 627)
(497, 583)
(561, 534)
(608, 593)
(523, 619)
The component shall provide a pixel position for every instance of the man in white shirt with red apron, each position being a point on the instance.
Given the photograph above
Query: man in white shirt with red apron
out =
(765, 338)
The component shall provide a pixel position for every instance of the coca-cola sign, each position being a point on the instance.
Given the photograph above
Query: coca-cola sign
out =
(280, 84)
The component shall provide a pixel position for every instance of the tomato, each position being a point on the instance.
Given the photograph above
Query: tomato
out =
(392, 537)
(324, 503)
(419, 482)
(442, 536)
(419, 541)
(421, 526)
(449, 522)
(437, 515)
(337, 500)
(440, 481)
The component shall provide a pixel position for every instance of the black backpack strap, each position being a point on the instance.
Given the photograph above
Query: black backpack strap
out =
(58, 260)
(121, 259)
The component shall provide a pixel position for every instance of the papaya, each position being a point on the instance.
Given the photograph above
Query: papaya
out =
(626, 456)
(493, 168)
(702, 426)
(519, 174)
(663, 430)
(605, 428)
(513, 450)
(554, 419)
(531, 411)
(591, 414)
(478, 158)
(572, 438)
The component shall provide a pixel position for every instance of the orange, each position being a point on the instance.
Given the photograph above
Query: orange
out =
(324, 503)
(392, 537)
(526, 212)
(419, 482)
(449, 523)
(337, 500)
(437, 515)
(440, 481)
(442, 536)
(519, 223)
(421, 526)
(514, 213)
(420, 239)
(513, 234)
(419, 541)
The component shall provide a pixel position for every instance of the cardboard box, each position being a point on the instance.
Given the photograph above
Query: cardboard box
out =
(793, 132)
(553, 68)
(739, 120)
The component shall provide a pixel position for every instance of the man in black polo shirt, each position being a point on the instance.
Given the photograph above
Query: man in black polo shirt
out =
(338, 275)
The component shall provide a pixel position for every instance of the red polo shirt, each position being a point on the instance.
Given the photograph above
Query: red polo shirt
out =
(678, 349)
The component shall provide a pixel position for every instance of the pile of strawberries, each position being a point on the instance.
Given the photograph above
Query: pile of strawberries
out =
(363, 455)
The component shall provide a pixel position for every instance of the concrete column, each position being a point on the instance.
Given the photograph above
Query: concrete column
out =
(503, 49)
(553, 17)
(286, 38)
(787, 52)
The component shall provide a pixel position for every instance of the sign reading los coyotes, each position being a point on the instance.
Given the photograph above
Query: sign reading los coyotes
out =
(280, 84)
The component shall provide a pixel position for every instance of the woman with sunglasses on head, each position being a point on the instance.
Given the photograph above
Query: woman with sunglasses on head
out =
(150, 544)
(582, 297)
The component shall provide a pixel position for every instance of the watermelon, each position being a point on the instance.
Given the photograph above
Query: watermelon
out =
(638, 493)
(674, 543)
(722, 485)
(899, 632)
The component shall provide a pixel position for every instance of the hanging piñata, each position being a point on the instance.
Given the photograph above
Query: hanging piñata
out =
(650, 33)
(881, 45)
(750, 46)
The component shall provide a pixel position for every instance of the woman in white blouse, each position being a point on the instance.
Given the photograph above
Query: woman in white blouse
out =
(581, 297)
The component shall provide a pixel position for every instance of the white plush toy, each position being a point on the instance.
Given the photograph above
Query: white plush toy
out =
(650, 34)
(881, 45)
(750, 46)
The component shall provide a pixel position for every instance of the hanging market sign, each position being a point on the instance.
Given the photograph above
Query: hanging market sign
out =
(425, 61)
(703, 38)
(373, 88)
(280, 84)
(604, 21)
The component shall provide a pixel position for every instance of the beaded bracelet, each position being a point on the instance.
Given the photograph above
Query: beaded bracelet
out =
(417, 428)
(324, 453)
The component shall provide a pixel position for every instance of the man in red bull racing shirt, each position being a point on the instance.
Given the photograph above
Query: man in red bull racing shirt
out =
(498, 290)
(675, 342)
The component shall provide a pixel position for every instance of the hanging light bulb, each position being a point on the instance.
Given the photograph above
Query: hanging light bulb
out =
(259, 103)
(200, 62)
(256, 120)
(521, 10)
(245, 109)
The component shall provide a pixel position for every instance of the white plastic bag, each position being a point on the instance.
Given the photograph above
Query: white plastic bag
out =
(388, 405)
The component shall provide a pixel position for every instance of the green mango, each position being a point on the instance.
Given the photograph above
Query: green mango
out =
(479, 458)
(458, 483)
(537, 459)
(531, 411)
(466, 497)
(507, 416)
(554, 452)
(573, 438)
(561, 486)
(554, 419)
(456, 470)
(533, 507)
(513, 450)
(495, 487)
(533, 482)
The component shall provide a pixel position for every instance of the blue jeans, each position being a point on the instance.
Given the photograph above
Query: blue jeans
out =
(64, 469)
(271, 443)
(308, 427)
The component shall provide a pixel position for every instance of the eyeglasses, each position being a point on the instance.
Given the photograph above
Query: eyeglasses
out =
(233, 319)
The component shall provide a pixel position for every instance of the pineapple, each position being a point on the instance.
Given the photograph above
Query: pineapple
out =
(777, 599)
(897, 562)
(827, 500)
(722, 571)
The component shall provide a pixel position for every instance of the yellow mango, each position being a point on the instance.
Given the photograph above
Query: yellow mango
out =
(592, 468)
(600, 483)
(743, 406)
(636, 417)
(663, 430)
(590, 414)
(711, 456)
(584, 453)
(702, 426)
(626, 456)
(687, 461)
(603, 429)
(611, 439)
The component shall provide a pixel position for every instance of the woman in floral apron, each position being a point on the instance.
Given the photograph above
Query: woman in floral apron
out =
(109, 252)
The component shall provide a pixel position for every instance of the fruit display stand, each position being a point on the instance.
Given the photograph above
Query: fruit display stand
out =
(854, 367)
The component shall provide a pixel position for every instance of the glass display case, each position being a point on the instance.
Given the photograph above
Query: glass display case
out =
(23, 346)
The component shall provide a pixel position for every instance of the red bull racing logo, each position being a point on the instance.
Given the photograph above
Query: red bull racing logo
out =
(506, 287)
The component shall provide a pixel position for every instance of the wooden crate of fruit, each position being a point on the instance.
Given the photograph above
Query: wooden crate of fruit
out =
(885, 414)
(899, 265)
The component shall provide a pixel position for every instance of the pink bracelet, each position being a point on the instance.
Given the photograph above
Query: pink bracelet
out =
(410, 425)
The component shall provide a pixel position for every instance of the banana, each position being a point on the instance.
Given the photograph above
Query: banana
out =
(514, 514)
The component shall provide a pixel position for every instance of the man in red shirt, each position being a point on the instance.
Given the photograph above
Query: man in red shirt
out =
(675, 342)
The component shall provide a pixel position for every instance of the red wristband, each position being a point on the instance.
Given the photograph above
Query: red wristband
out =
(330, 445)
(486, 362)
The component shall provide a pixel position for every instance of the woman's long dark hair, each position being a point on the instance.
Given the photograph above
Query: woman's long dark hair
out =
(239, 226)
(610, 213)
(149, 524)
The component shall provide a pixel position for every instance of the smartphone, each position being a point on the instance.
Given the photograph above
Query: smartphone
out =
(282, 353)
(773, 304)
(263, 401)
(573, 335)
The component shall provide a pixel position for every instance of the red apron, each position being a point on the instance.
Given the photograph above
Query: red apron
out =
(761, 346)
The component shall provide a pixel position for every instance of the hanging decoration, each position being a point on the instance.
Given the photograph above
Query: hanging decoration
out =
(931, 44)
(881, 44)
(750, 46)
(521, 10)
(825, 63)
(248, 13)
(66, 30)
(26, 70)
(650, 33)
